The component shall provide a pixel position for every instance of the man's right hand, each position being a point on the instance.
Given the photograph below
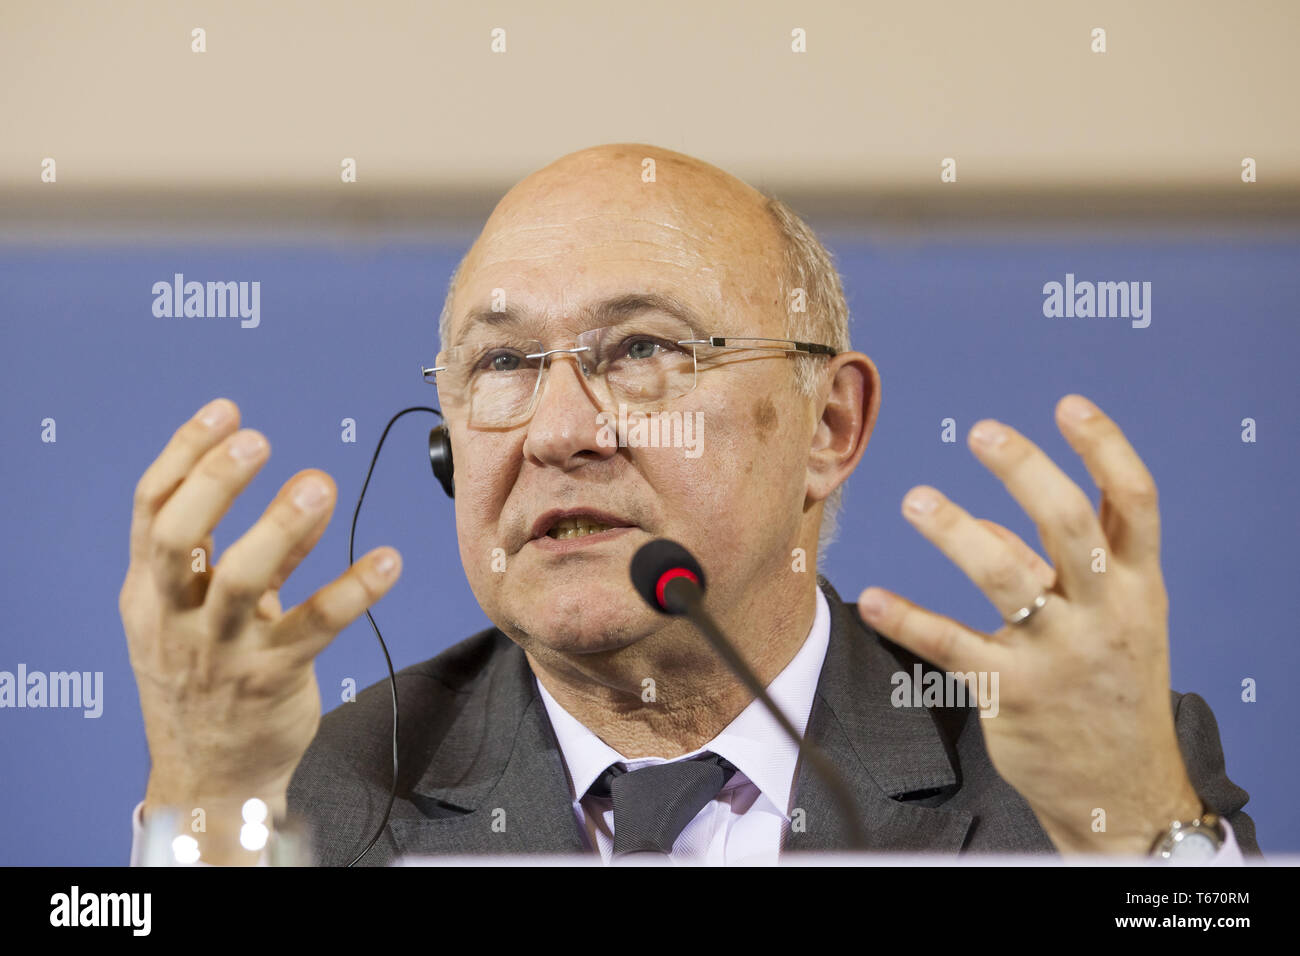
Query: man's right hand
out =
(226, 677)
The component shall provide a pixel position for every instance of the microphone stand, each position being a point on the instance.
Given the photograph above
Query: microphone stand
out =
(683, 593)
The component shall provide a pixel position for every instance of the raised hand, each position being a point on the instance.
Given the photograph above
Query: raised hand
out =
(1084, 719)
(226, 677)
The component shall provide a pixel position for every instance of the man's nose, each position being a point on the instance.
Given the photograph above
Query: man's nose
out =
(564, 429)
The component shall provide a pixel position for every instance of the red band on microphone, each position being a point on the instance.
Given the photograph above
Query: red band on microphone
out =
(668, 576)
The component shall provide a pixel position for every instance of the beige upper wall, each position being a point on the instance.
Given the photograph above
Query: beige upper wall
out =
(1010, 89)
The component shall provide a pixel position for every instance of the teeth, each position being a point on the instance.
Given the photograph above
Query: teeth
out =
(576, 527)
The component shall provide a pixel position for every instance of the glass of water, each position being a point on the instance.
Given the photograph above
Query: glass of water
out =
(224, 833)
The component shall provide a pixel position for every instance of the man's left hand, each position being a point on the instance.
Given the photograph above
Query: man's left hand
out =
(1084, 720)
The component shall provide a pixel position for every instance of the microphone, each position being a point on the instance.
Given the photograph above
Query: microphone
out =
(660, 562)
(672, 582)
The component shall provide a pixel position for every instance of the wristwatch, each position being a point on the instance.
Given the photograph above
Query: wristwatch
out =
(1193, 841)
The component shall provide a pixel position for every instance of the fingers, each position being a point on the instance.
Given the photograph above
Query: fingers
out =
(311, 625)
(200, 575)
(196, 507)
(301, 549)
(1006, 579)
(1043, 572)
(1130, 513)
(1062, 512)
(940, 640)
(215, 421)
(265, 554)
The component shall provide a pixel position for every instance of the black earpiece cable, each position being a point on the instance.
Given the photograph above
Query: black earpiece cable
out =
(392, 678)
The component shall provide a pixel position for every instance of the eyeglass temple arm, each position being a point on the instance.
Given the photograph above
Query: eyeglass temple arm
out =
(722, 342)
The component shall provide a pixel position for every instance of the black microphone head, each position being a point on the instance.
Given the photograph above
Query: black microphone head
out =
(657, 563)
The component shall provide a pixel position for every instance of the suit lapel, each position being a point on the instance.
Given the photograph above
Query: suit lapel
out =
(497, 784)
(884, 752)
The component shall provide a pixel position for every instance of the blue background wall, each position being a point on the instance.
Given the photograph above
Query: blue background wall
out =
(955, 327)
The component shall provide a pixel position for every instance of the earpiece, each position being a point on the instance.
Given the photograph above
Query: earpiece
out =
(440, 459)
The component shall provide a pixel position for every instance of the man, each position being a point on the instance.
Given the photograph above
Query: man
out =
(619, 286)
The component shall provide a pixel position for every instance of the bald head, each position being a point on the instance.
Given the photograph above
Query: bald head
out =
(588, 418)
(630, 198)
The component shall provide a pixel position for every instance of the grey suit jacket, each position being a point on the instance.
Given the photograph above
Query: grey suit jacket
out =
(481, 771)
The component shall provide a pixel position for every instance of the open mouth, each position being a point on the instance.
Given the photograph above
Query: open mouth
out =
(572, 524)
(578, 527)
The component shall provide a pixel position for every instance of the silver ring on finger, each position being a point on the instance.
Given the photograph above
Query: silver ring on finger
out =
(1025, 613)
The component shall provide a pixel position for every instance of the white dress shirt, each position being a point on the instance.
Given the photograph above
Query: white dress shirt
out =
(749, 819)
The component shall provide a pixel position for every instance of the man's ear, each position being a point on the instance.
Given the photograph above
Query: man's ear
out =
(848, 416)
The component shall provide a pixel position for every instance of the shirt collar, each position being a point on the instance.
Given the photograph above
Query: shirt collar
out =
(754, 741)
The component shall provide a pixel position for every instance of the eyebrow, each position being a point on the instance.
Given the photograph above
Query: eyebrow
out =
(601, 313)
